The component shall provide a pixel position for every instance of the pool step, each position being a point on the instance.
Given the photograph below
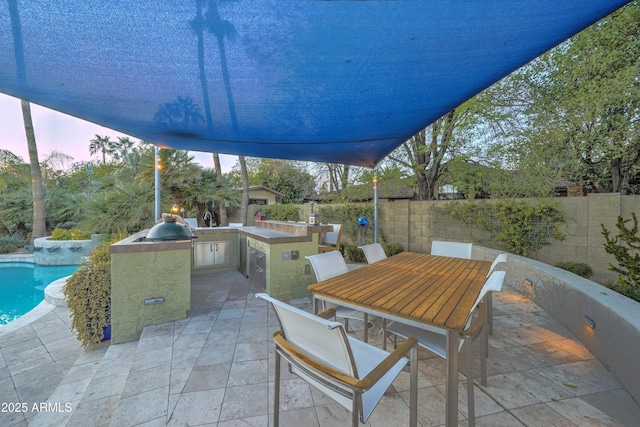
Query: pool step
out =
(53, 292)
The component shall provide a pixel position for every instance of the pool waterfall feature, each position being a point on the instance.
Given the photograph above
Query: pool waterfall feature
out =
(63, 252)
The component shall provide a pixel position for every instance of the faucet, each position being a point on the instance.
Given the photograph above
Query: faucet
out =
(206, 215)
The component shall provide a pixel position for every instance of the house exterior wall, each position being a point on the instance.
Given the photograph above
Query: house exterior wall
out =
(263, 194)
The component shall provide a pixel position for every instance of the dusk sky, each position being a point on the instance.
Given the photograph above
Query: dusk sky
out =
(67, 134)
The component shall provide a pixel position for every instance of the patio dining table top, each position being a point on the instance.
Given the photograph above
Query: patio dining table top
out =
(424, 289)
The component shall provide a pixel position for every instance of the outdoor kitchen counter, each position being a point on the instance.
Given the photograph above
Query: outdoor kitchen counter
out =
(275, 232)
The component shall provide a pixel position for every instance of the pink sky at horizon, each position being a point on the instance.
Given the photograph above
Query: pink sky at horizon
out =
(56, 131)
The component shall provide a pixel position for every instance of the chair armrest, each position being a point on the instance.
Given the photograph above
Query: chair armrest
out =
(326, 314)
(384, 366)
(313, 363)
(477, 324)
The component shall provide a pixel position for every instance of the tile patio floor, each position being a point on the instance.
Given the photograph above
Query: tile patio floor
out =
(216, 369)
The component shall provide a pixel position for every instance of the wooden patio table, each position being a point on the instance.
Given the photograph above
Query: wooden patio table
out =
(431, 292)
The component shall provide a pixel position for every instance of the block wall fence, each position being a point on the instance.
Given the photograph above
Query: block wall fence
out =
(413, 224)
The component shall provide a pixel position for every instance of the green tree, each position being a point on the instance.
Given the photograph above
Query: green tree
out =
(286, 176)
(425, 153)
(573, 113)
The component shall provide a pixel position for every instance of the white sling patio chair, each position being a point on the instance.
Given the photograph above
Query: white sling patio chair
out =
(373, 252)
(331, 241)
(352, 373)
(436, 342)
(489, 301)
(331, 264)
(452, 249)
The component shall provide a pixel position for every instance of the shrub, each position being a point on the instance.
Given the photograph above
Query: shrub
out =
(625, 247)
(579, 268)
(392, 248)
(281, 212)
(513, 225)
(88, 294)
(353, 253)
(10, 244)
(348, 215)
(70, 234)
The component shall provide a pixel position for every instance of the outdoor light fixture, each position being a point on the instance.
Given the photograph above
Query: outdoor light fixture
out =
(589, 322)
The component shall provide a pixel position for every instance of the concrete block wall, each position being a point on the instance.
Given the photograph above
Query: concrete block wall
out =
(413, 224)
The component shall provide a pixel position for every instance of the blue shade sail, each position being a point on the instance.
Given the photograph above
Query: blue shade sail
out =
(328, 81)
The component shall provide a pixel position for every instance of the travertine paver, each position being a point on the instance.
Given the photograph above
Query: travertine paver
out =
(216, 368)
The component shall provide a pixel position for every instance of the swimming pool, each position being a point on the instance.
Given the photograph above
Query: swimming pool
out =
(22, 286)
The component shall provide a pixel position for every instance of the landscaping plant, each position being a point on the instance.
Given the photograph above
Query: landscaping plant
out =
(88, 294)
(625, 247)
(579, 268)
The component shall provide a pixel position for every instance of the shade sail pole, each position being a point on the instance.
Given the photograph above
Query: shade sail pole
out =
(156, 164)
(375, 205)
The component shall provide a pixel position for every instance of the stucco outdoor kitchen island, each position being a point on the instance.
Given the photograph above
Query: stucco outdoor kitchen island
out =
(151, 280)
(275, 256)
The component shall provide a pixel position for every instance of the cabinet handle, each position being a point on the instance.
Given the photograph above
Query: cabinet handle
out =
(216, 247)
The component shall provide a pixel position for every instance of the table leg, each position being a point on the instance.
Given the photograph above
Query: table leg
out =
(315, 305)
(451, 416)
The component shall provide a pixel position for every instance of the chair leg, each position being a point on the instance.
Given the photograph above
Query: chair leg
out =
(346, 325)
(488, 302)
(483, 356)
(384, 334)
(366, 327)
(276, 392)
(471, 405)
(355, 404)
(413, 387)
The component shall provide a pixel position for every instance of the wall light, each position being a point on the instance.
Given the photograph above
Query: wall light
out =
(589, 322)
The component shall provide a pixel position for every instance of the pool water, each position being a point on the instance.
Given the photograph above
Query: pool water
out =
(22, 286)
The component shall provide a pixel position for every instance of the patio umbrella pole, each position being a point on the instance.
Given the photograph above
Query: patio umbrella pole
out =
(157, 181)
(375, 206)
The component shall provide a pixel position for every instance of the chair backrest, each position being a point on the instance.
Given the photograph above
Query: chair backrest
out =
(192, 222)
(333, 237)
(319, 338)
(327, 265)
(373, 252)
(451, 249)
(492, 284)
(500, 258)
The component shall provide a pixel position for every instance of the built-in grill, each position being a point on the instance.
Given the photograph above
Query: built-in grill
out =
(169, 229)
(258, 268)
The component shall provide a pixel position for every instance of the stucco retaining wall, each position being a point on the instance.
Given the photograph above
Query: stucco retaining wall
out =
(615, 341)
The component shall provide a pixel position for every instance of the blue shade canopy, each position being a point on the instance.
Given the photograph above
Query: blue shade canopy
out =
(328, 81)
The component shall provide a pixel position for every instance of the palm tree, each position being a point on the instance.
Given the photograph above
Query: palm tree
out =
(245, 190)
(224, 220)
(220, 29)
(123, 147)
(39, 226)
(101, 144)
